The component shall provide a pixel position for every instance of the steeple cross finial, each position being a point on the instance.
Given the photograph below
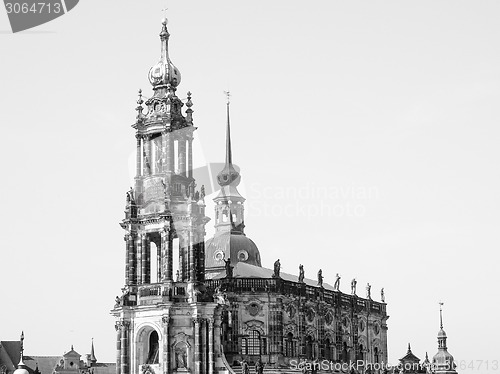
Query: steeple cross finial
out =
(441, 313)
(228, 95)
(165, 10)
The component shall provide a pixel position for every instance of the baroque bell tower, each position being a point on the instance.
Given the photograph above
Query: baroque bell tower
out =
(164, 311)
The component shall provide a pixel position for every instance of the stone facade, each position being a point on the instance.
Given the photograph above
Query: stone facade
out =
(205, 320)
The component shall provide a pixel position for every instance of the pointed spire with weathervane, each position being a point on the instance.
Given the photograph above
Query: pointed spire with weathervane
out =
(443, 361)
(229, 175)
(229, 241)
(21, 367)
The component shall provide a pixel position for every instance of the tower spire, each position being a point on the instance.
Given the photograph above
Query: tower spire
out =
(441, 314)
(229, 158)
(93, 359)
(22, 348)
(228, 175)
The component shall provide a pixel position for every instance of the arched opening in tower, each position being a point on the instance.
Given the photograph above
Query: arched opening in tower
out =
(153, 348)
(154, 257)
(176, 259)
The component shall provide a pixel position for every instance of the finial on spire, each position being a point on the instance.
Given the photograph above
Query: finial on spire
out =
(139, 107)
(21, 350)
(409, 348)
(72, 347)
(441, 313)
(228, 95)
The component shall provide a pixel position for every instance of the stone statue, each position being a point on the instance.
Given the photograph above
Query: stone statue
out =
(320, 278)
(202, 192)
(382, 295)
(353, 286)
(229, 268)
(180, 357)
(220, 297)
(368, 291)
(177, 276)
(118, 301)
(259, 367)
(336, 286)
(130, 196)
(277, 267)
(301, 273)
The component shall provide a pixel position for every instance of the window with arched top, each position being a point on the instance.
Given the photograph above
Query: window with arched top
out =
(290, 345)
(328, 349)
(376, 355)
(253, 343)
(153, 348)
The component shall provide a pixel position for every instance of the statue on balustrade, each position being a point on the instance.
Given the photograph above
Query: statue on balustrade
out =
(229, 268)
(301, 273)
(320, 278)
(277, 267)
(336, 286)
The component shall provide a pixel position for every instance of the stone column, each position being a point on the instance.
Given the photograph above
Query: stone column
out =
(211, 362)
(144, 259)
(118, 346)
(158, 261)
(132, 278)
(164, 151)
(164, 257)
(138, 157)
(190, 158)
(170, 154)
(170, 256)
(127, 258)
(191, 246)
(196, 355)
(124, 347)
(139, 258)
(182, 156)
(166, 344)
(146, 151)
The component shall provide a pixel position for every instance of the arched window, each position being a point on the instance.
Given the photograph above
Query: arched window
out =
(253, 343)
(153, 348)
(345, 354)
(360, 352)
(376, 355)
(328, 349)
(289, 345)
(309, 348)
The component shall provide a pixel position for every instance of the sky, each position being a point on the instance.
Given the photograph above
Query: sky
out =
(366, 132)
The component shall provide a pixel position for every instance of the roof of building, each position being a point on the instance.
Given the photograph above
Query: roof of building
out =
(236, 246)
(46, 364)
(409, 357)
(245, 270)
(10, 353)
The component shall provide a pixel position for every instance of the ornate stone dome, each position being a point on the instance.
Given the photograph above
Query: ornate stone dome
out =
(236, 246)
(164, 72)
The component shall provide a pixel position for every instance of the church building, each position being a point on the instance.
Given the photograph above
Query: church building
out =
(191, 305)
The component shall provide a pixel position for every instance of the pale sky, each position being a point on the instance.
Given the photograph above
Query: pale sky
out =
(366, 132)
